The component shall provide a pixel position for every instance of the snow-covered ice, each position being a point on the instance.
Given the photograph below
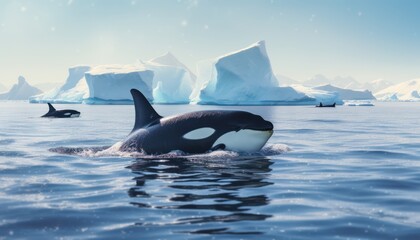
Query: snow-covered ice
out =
(103, 84)
(173, 82)
(112, 83)
(162, 80)
(243, 77)
(405, 91)
(319, 95)
(20, 91)
(377, 85)
(74, 89)
(358, 103)
(342, 82)
(347, 83)
(348, 94)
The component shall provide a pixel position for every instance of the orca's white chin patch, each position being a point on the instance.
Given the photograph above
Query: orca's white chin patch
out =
(244, 140)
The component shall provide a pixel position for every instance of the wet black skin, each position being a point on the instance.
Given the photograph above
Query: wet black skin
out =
(53, 113)
(162, 135)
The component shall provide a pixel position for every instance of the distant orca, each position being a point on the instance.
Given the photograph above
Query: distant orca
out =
(195, 132)
(321, 105)
(52, 113)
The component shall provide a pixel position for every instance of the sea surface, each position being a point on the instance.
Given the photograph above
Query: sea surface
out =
(326, 173)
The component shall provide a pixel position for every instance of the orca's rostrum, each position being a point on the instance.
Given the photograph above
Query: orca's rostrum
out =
(195, 132)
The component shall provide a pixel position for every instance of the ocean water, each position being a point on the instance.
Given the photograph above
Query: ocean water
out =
(330, 173)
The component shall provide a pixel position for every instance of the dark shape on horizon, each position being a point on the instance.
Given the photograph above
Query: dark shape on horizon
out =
(195, 132)
(322, 105)
(66, 113)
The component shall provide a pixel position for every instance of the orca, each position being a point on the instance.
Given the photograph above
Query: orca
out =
(53, 113)
(194, 132)
(322, 105)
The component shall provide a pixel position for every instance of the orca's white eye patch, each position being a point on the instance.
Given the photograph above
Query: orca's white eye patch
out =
(199, 133)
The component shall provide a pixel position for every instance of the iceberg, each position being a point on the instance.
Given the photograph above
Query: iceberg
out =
(72, 91)
(377, 85)
(163, 79)
(347, 94)
(407, 91)
(347, 83)
(20, 91)
(326, 97)
(104, 84)
(359, 103)
(173, 82)
(342, 82)
(243, 77)
(111, 84)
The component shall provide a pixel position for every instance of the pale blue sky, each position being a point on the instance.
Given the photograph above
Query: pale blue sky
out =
(366, 39)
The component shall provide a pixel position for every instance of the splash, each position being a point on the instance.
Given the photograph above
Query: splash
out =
(274, 149)
(113, 151)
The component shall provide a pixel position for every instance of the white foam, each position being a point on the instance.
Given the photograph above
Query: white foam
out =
(274, 149)
(113, 151)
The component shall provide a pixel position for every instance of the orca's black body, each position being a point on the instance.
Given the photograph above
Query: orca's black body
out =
(195, 132)
(329, 105)
(67, 113)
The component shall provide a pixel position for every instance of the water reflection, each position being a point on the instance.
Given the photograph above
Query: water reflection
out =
(212, 190)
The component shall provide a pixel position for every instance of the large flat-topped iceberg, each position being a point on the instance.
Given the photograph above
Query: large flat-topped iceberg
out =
(342, 82)
(20, 91)
(74, 89)
(173, 82)
(112, 83)
(162, 80)
(243, 77)
(319, 95)
(347, 83)
(408, 91)
(104, 84)
(347, 94)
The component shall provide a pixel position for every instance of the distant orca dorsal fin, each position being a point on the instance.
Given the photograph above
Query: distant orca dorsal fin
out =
(145, 113)
(51, 108)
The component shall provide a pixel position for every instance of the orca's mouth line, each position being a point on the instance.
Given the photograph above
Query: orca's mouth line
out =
(258, 129)
(264, 126)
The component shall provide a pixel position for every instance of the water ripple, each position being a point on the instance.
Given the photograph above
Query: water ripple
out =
(13, 154)
(323, 175)
(5, 142)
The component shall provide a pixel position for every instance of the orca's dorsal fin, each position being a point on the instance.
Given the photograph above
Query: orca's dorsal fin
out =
(52, 109)
(145, 113)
